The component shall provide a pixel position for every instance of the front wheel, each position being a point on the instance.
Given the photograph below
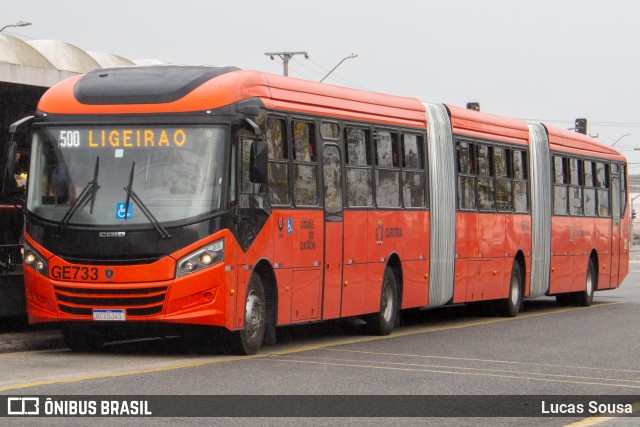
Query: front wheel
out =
(510, 307)
(382, 322)
(249, 339)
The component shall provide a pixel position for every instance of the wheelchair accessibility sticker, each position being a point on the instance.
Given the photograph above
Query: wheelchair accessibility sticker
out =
(120, 211)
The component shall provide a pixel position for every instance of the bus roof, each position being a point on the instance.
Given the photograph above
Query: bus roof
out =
(577, 143)
(108, 91)
(482, 125)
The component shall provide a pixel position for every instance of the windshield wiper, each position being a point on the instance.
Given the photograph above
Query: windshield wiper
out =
(89, 190)
(131, 195)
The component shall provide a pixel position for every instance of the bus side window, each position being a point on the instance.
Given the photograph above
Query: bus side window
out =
(560, 189)
(520, 176)
(387, 171)
(504, 185)
(602, 184)
(278, 161)
(589, 188)
(575, 187)
(305, 191)
(413, 177)
(486, 195)
(359, 173)
(466, 176)
(247, 188)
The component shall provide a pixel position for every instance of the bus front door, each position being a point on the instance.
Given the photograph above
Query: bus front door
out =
(334, 230)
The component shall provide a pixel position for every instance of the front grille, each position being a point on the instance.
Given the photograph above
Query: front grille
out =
(128, 259)
(136, 301)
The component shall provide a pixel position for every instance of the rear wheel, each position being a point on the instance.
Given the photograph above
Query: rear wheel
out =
(510, 307)
(382, 322)
(249, 339)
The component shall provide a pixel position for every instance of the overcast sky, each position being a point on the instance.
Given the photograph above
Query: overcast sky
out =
(551, 60)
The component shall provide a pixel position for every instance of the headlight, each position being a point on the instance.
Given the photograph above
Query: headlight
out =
(202, 258)
(34, 260)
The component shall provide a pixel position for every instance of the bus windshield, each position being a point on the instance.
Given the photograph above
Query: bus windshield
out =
(177, 172)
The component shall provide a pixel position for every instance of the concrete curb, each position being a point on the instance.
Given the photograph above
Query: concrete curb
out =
(31, 340)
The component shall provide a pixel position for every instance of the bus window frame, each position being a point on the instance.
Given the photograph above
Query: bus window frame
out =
(293, 162)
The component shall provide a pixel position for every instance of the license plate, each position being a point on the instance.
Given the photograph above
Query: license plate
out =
(109, 315)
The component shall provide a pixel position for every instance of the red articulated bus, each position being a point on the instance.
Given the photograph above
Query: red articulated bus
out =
(246, 201)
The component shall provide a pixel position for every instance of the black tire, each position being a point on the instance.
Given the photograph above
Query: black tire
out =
(585, 298)
(382, 322)
(81, 339)
(510, 307)
(249, 339)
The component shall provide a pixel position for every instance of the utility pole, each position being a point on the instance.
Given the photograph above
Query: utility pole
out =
(286, 56)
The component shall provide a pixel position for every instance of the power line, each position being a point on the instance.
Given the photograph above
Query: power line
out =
(591, 123)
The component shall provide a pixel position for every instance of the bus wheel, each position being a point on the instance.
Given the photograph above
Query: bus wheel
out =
(81, 339)
(510, 307)
(382, 322)
(249, 339)
(585, 298)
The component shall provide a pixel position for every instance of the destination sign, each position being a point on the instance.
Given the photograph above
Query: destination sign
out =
(121, 138)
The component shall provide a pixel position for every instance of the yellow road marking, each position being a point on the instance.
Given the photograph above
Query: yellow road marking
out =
(393, 368)
(464, 359)
(121, 374)
(542, 374)
(339, 342)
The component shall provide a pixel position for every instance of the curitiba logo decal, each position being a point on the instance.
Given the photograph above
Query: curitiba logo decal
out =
(379, 232)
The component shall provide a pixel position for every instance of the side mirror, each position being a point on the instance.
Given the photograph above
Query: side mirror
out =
(258, 162)
(8, 167)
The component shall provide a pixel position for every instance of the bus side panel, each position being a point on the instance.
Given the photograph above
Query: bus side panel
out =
(358, 240)
(492, 238)
(283, 277)
(354, 290)
(467, 249)
(603, 247)
(625, 244)
(298, 238)
(467, 239)
(413, 249)
(518, 238)
(357, 237)
(375, 271)
(583, 242)
(461, 280)
(414, 241)
(561, 259)
(383, 226)
(415, 277)
(305, 295)
(298, 244)
(332, 294)
(383, 235)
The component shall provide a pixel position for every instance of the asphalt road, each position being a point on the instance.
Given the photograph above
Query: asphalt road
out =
(547, 350)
